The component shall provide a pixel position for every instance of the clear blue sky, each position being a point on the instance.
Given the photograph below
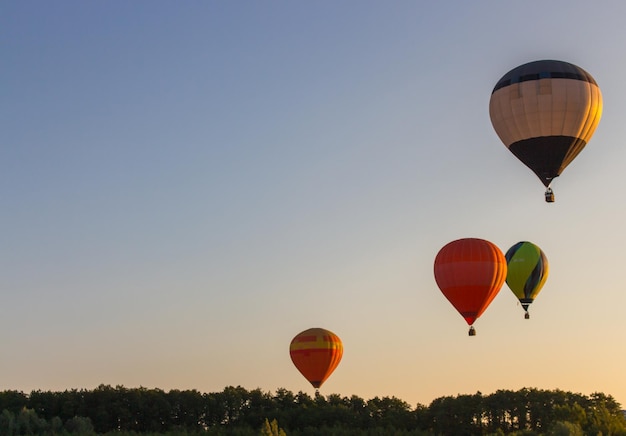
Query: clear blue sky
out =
(186, 186)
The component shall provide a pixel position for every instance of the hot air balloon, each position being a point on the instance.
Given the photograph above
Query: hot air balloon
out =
(527, 272)
(316, 353)
(470, 272)
(545, 112)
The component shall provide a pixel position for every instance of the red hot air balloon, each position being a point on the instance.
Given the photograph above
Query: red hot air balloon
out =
(316, 353)
(470, 272)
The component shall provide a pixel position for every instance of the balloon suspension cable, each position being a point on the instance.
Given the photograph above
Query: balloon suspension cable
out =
(472, 331)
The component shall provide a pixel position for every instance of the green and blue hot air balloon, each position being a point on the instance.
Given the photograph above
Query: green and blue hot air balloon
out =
(527, 272)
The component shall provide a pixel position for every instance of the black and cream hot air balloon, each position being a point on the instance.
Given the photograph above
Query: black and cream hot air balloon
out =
(545, 112)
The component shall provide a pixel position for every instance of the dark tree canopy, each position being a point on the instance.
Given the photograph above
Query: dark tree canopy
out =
(238, 411)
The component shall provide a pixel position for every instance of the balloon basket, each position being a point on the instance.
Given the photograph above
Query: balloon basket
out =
(472, 331)
(527, 315)
(549, 196)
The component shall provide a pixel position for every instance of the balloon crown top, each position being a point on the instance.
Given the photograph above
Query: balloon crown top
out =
(544, 69)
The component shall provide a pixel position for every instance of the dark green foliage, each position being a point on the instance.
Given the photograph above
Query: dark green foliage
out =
(79, 425)
(13, 401)
(236, 411)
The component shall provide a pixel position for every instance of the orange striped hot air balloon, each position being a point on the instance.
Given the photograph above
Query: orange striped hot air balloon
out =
(470, 272)
(316, 353)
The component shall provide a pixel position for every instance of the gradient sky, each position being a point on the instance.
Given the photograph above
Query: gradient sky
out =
(185, 186)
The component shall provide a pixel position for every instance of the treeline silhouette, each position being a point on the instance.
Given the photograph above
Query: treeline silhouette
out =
(237, 411)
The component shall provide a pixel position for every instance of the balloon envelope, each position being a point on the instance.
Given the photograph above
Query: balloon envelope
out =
(527, 271)
(545, 112)
(316, 353)
(470, 272)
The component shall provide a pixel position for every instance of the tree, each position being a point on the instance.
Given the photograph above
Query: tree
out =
(272, 429)
(390, 412)
(27, 422)
(564, 428)
(7, 423)
(80, 425)
(236, 411)
(13, 401)
(188, 409)
(231, 403)
(602, 421)
(55, 425)
(574, 414)
(462, 415)
(503, 411)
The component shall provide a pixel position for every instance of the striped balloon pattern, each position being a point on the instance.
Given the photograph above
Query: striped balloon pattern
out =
(527, 272)
(316, 353)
